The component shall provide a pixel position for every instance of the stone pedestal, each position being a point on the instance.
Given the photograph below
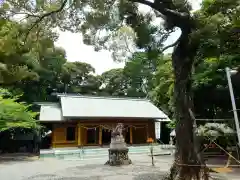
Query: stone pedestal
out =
(118, 152)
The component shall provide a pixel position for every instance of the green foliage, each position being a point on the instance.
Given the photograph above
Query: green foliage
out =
(12, 54)
(26, 66)
(140, 70)
(162, 91)
(21, 60)
(172, 124)
(134, 80)
(15, 114)
(77, 77)
(114, 82)
(218, 49)
(113, 25)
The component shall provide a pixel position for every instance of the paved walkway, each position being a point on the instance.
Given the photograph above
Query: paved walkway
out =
(53, 169)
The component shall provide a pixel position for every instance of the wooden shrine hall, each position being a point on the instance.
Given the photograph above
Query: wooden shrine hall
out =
(87, 121)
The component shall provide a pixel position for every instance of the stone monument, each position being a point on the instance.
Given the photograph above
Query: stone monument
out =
(118, 151)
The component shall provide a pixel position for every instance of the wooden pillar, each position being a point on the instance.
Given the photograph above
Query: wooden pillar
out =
(131, 136)
(85, 135)
(79, 135)
(53, 137)
(147, 132)
(100, 136)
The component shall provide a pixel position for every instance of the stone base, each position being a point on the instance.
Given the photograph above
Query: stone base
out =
(118, 157)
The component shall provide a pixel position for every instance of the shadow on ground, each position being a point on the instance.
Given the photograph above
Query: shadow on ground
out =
(17, 157)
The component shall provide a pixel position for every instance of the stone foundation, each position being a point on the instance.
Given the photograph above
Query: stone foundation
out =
(118, 152)
(118, 157)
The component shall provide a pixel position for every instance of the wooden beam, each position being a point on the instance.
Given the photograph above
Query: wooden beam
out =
(79, 135)
(147, 132)
(100, 136)
(53, 136)
(131, 136)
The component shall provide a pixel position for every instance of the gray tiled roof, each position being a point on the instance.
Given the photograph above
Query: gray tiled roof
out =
(87, 106)
(50, 112)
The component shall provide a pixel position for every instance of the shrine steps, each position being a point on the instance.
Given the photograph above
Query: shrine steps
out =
(88, 153)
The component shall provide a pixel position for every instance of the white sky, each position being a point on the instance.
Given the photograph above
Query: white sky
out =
(102, 61)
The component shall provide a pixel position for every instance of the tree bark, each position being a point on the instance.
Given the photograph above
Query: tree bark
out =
(188, 161)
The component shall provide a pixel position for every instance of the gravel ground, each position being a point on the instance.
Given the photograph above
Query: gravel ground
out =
(92, 169)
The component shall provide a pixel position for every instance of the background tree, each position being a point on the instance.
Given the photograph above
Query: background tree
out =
(13, 58)
(163, 84)
(77, 77)
(135, 79)
(39, 68)
(139, 72)
(114, 82)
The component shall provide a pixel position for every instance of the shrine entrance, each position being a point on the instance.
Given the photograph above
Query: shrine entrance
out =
(126, 135)
(106, 136)
(92, 136)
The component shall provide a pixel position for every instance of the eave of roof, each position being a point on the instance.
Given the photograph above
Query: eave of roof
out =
(50, 112)
(88, 106)
(91, 107)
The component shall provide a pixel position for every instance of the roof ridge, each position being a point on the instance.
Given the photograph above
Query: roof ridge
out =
(47, 103)
(104, 97)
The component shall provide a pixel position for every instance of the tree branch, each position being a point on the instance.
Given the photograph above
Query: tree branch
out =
(171, 45)
(158, 14)
(23, 13)
(44, 16)
(160, 6)
(163, 8)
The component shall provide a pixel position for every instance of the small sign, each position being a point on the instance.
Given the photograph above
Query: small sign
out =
(158, 130)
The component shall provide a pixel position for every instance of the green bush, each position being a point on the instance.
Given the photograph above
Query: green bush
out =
(15, 114)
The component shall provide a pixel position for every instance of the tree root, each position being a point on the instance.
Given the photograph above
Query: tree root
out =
(173, 172)
(189, 172)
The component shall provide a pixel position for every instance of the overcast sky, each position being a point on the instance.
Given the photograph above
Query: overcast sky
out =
(101, 61)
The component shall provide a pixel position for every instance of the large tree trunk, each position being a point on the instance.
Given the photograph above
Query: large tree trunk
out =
(188, 162)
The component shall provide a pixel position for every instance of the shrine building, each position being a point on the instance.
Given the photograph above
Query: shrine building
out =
(77, 121)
